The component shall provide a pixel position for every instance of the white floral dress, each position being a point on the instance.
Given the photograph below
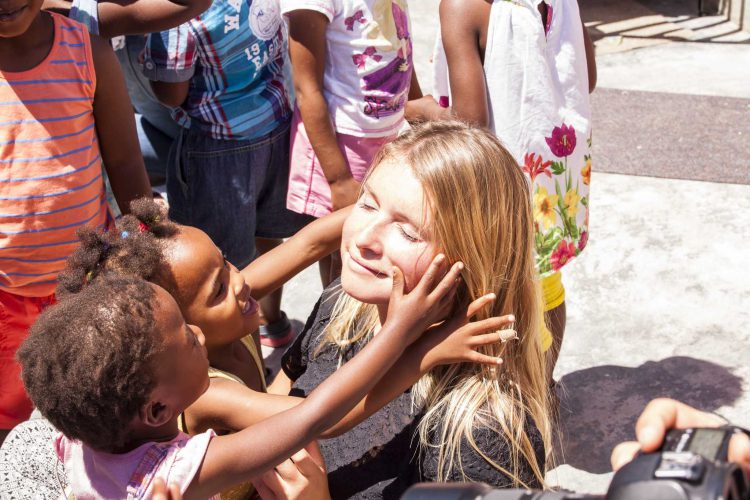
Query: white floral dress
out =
(537, 87)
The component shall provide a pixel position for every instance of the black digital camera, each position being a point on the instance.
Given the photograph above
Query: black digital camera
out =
(691, 465)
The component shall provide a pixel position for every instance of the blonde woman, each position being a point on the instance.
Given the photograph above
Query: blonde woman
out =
(451, 188)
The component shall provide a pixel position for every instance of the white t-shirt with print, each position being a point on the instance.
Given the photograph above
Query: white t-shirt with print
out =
(368, 66)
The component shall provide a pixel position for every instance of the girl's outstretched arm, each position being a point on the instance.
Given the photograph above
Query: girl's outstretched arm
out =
(115, 128)
(307, 49)
(238, 457)
(231, 406)
(310, 244)
(461, 24)
(137, 17)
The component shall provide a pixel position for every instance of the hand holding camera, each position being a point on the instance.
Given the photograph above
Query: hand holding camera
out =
(681, 454)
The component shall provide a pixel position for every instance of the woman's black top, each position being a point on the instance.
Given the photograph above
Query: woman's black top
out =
(381, 458)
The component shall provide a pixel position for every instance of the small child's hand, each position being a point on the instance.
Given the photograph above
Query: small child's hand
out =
(161, 492)
(427, 303)
(301, 477)
(457, 340)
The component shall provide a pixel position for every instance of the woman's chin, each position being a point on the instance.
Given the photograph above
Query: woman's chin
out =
(364, 290)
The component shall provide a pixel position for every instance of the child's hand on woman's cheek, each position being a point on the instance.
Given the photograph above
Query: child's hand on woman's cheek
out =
(429, 302)
(303, 477)
(457, 340)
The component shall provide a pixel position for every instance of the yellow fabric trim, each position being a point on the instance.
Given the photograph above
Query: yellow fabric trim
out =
(249, 342)
(553, 294)
(553, 291)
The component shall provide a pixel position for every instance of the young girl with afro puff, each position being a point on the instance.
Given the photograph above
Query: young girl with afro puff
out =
(114, 365)
(217, 298)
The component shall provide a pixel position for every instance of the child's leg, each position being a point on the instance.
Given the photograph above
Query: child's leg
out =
(17, 314)
(553, 294)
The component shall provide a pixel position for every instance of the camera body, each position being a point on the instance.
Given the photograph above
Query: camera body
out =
(691, 465)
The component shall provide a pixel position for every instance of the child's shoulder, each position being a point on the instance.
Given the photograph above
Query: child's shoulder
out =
(177, 460)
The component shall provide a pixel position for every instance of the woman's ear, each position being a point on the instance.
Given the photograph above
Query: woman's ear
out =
(155, 413)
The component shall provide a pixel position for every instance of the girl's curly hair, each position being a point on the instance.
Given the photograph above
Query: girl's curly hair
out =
(133, 248)
(88, 363)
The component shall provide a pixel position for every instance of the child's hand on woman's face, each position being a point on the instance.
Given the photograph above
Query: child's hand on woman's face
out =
(303, 477)
(429, 301)
(457, 340)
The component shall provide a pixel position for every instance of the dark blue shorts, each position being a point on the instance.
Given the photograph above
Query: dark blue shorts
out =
(235, 191)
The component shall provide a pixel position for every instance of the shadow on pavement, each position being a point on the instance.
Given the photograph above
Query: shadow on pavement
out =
(599, 405)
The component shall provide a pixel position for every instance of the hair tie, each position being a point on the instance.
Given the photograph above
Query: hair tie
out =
(124, 234)
(143, 227)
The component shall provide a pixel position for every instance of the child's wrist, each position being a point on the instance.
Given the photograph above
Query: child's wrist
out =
(423, 356)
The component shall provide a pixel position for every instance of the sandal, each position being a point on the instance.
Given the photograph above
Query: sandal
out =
(277, 334)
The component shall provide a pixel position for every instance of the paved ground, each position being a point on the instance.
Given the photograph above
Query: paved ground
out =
(658, 304)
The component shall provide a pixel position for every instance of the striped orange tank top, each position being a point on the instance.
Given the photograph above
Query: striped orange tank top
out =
(50, 166)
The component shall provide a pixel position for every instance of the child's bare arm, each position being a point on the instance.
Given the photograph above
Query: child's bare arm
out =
(238, 457)
(115, 128)
(229, 405)
(461, 22)
(456, 341)
(307, 49)
(590, 58)
(421, 107)
(136, 17)
(313, 242)
(171, 94)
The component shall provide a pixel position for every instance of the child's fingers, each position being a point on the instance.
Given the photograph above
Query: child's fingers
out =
(159, 491)
(287, 470)
(489, 331)
(305, 463)
(398, 283)
(434, 271)
(269, 485)
(313, 450)
(484, 359)
(449, 281)
(264, 492)
(478, 304)
(174, 492)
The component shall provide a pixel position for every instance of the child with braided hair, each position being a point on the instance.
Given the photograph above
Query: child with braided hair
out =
(211, 293)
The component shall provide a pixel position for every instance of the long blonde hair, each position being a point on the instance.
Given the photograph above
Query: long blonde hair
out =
(478, 199)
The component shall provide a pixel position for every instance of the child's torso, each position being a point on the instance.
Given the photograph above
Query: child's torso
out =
(241, 86)
(368, 67)
(51, 182)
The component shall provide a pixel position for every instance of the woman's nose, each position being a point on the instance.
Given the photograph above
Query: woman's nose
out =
(368, 239)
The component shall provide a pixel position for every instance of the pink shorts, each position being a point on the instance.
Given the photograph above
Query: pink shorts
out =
(17, 314)
(309, 192)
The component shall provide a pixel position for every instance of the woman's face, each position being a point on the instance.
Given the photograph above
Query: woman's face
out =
(389, 226)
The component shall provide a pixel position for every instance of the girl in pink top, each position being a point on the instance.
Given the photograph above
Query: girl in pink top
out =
(114, 365)
(353, 75)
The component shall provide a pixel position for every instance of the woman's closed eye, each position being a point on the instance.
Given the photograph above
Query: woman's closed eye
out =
(366, 205)
(409, 234)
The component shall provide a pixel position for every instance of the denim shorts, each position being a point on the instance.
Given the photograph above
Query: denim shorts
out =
(235, 191)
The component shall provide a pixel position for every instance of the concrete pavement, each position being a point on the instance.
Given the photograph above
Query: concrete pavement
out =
(659, 303)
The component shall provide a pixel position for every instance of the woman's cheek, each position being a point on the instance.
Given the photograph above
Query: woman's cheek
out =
(416, 264)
